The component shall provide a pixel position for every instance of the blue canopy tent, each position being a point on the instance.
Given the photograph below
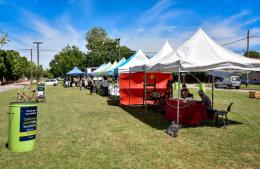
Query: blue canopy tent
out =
(75, 72)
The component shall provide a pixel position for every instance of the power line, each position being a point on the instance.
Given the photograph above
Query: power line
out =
(240, 40)
(148, 52)
(234, 42)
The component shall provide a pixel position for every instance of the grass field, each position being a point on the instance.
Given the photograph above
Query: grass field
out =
(250, 86)
(78, 130)
(243, 86)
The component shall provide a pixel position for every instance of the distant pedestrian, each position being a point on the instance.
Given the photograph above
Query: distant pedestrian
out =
(104, 86)
(91, 85)
(247, 81)
(80, 83)
(71, 81)
(86, 82)
(83, 83)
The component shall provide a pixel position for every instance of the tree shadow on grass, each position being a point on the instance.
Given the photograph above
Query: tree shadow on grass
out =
(151, 117)
(113, 102)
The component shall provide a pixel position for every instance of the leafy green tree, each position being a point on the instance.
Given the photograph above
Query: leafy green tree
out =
(126, 52)
(11, 58)
(102, 48)
(65, 60)
(2, 64)
(3, 38)
(252, 54)
(20, 68)
(47, 73)
(95, 37)
(13, 66)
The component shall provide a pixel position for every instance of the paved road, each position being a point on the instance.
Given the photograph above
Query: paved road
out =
(13, 86)
(196, 86)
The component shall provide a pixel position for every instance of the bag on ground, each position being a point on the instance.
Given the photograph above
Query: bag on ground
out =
(173, 129)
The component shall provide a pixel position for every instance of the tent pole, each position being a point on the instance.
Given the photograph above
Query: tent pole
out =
(212, 91)
(178, 103)
(145, 105)
(129, 88)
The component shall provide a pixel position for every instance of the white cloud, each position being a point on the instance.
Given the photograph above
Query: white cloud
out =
(157, 10)
(233, 28)
(53, 37)
(151, 29)
(223, 30)
(256, 31)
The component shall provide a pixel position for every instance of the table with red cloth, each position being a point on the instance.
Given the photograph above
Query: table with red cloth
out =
(190, 113)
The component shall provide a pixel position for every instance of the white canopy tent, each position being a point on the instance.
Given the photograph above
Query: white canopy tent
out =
(110, 71)
(201, 53)
(138, 58)
(102, 69)
(164, 51)
(99, 68)
(110, 67)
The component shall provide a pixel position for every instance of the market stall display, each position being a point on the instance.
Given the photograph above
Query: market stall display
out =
(132, 86)
(191, 113)
(202, 54)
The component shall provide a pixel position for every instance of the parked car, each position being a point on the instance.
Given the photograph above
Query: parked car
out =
(229, 82)
(51, 82)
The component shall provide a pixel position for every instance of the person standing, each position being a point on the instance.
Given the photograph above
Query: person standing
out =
(85, 83)
(104, 86)
(80, 83)
(71, 81)
(91, 85)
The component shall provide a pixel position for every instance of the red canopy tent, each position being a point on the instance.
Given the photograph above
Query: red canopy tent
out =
(132, 86)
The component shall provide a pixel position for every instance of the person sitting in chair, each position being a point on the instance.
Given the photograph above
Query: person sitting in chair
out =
(185, 92)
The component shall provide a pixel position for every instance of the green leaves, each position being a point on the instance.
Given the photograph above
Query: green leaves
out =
(103, 49)
(96, 37)
(13, 66)
(252, 54)
(3, 38)
(65, 60)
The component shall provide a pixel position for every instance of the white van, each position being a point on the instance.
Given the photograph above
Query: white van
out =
(52, 82)
(229, 82)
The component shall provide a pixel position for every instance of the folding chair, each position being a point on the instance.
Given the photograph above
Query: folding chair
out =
(223, 115)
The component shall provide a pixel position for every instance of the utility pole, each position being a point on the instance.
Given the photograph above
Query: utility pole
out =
(247, 54)
(118, 43)
(38, 59)
(31, 54)
(38, 51)
(247, 44)
(31, 78)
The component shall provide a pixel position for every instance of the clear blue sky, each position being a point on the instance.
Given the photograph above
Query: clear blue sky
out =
(144, 24)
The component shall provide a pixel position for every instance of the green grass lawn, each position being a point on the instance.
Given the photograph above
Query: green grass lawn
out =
(250, 86)
(78, 130)
(243, 86)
